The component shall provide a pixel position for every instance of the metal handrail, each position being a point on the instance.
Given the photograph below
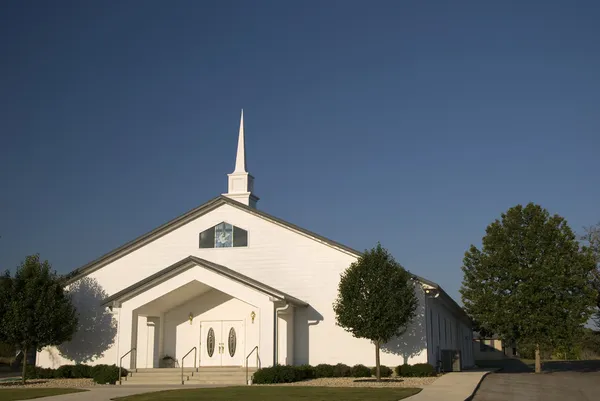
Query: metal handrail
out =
(121, 362)
(195, 358)
(258, 363)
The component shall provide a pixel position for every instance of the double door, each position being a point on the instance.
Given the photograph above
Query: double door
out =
(221, 343)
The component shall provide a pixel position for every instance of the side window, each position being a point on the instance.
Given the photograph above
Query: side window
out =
(240, 237)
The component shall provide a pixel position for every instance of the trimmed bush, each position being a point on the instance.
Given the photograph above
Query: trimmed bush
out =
(64, 372)
(102, 374)
(416, 370)
(80, 371)
(324, 370)
(384, 370)
(404, 370)
(34, 372)
(305, 372)
(423, 370)
(278, 374)
(341, 370)
(106, 374)
(361, 371)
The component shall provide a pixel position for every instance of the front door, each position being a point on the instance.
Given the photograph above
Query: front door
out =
(221, 343)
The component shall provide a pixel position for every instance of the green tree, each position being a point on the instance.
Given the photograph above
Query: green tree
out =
(530, 282)
(376, 299)
(591, 238)
(38, 312)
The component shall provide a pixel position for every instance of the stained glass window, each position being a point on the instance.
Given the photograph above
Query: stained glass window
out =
(210, 342)
(223, 235)
(232, 342)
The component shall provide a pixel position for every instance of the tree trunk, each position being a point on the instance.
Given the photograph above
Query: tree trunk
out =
(538, 360)
(377, 363)
(24, 364)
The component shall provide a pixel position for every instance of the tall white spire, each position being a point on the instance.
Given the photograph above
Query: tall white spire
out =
(240, 159)
(240, 182)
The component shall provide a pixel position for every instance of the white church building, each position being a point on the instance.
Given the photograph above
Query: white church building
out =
(231, 280)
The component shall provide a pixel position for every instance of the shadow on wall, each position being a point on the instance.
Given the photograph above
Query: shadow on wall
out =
(304, 318)
(414, 340)
(97, 328)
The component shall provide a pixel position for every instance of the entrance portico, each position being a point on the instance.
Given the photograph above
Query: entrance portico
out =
(196, 303)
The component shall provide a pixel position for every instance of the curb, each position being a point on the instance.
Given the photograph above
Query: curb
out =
(469, 398)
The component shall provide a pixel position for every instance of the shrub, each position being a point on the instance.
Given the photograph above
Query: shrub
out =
(34, 372)
(416, 370)
(384, 370)
(341, 370)
(80, 371)
(105, 374)
(423, 370)
(64, 372)
(305, 372)
(404, 370)
(264, 376)
(323, 370)
(277, 374)
(361, 371)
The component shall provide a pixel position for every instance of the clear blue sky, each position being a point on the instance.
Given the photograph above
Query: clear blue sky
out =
(413, 123)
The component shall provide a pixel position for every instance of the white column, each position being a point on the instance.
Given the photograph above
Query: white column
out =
(126, 336)
(142, 342)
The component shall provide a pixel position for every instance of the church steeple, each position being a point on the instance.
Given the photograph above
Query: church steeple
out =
(241, 183)
(240, 158)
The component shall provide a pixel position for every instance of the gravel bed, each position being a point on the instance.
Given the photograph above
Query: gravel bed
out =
(47, 383)
(419, 382)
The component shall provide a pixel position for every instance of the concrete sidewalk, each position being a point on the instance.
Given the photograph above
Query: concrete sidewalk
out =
(455, 386)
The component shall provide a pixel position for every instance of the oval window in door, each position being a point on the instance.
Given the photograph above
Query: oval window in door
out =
(232, 340)
(210, 342)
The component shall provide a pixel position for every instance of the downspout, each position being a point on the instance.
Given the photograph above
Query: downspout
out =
(276, 331)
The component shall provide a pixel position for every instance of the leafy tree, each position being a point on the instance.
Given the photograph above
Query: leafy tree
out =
(591, 238)
(38, 312)
(376, 299)
(530, 282)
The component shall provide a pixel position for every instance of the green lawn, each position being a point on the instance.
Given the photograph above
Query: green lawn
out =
(11, 394)
(278, 393)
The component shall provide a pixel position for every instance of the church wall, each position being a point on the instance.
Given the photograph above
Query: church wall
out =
(51, 357)
(281, 258)
(448, 331)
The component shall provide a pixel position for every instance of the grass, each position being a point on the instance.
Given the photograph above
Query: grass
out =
(12, 394)
(279, 393)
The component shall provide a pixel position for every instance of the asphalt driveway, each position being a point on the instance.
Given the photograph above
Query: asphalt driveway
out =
(561, 381)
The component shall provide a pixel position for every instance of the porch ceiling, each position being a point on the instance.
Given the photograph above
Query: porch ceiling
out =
(174, 298)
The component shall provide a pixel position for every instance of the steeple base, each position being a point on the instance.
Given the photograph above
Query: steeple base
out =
(247, 198)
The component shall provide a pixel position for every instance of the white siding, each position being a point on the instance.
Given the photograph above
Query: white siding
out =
(279, 257)
(447, 331)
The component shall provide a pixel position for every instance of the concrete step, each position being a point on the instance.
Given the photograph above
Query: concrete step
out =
(162, 370)
(205, 375)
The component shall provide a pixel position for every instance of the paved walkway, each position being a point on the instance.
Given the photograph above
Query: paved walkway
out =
(559, 386)
(455, 386)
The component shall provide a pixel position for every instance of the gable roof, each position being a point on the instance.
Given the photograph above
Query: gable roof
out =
(192, 261)
(205, 208)
(186, 218)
